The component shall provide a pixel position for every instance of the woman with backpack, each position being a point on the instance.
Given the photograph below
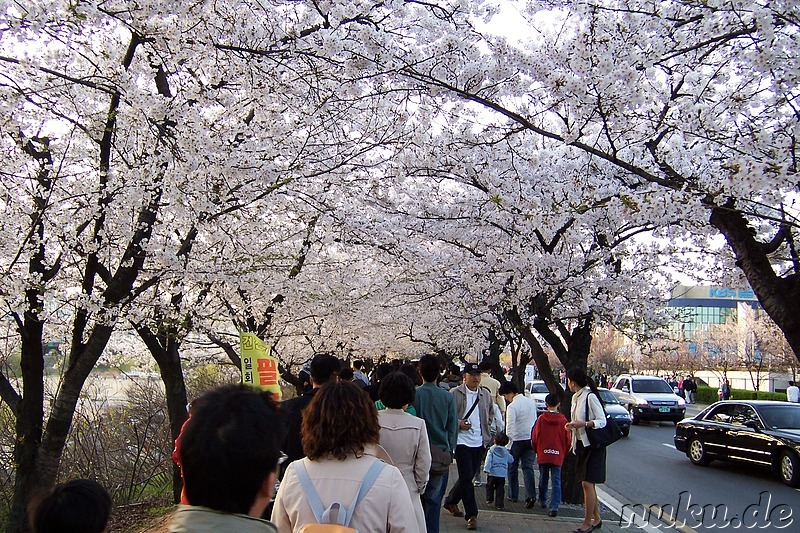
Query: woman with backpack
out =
(341, 480)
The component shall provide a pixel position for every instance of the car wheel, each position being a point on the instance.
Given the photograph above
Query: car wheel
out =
(626, 432)
(697, 452)
(635, 417)
(790, 469)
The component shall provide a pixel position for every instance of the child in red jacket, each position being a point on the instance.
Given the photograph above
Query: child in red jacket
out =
(551, 441)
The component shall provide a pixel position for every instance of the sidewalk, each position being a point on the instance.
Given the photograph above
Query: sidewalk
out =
(527, 521)
(518, 519)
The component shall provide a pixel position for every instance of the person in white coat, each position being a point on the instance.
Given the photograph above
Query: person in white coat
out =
(405, 438)
(340, 435)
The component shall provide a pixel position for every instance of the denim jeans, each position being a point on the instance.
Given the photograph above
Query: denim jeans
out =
(552, 472)
(468, 460)
(432, 501)
(523, 454)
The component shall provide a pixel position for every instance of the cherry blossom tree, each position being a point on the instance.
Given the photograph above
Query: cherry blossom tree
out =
(126, 142)
(690, 104)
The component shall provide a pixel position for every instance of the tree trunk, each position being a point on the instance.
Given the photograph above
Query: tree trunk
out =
(574, 355)
(493, 356)
(164, 347)
(63, 411)
(779, 296)
(538, 354)
(29, 421)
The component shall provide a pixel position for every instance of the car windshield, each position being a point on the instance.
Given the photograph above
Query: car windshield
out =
(608, 397)
(538, 388)
(652, 385)
(780, 416)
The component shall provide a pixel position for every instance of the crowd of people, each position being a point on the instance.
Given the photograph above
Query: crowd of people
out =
(364, 452)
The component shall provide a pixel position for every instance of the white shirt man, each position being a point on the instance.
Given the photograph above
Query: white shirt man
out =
(792, 393)
(473, 438)
(520, 418)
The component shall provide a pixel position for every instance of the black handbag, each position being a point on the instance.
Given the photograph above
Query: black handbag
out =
(605, 436)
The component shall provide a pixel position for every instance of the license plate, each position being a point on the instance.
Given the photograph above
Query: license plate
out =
(663, 409)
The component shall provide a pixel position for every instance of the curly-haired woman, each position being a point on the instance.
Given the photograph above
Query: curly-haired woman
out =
(340, 435)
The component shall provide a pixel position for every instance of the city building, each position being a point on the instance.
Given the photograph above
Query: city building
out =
(699, 310)
(701, 307)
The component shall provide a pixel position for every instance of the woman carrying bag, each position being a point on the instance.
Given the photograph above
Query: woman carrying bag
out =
(587, 412)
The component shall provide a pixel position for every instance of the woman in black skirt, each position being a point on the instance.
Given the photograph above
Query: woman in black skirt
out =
(591, 464)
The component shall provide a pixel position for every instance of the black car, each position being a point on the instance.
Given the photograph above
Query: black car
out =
(758, 432)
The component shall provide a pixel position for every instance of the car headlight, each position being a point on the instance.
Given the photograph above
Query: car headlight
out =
(622, 417)
(642, 402)
(681, 402)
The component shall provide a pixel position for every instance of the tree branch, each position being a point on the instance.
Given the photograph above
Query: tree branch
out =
(9, 395)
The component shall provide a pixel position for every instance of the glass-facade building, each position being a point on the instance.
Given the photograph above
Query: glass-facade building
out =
(701, 307)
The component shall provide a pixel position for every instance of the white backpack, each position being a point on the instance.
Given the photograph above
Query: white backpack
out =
(326, 522)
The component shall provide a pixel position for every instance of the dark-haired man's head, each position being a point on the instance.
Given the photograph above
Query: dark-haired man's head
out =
(78, 505)
(508, 387)
(324, 366)
(429, 368)
(397, 390)
(358, 364)
(412, 372)
(484, 366)
(382, 371)
(230, 449)
(346, 373)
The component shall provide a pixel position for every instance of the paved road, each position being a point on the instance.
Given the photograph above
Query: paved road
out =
(646, 469)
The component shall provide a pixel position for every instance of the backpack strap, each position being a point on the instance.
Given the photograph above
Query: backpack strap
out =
(343, 514)
(366, 484)
(311, 494)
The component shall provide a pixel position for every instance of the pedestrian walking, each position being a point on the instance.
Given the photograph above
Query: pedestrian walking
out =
(551, 441)
(474, 408)
(437, 408)
(520, 418)
(340, 434)
(498, 458)
(492, 385)
(590, 462)
(404, 438)
(792, 393)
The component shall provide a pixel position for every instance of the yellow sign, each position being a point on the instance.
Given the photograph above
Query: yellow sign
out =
(259, 369)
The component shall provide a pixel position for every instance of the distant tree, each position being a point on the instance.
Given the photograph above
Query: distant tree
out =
(604, 354)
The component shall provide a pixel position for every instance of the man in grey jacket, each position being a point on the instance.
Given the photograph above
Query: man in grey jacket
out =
(474, 408)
